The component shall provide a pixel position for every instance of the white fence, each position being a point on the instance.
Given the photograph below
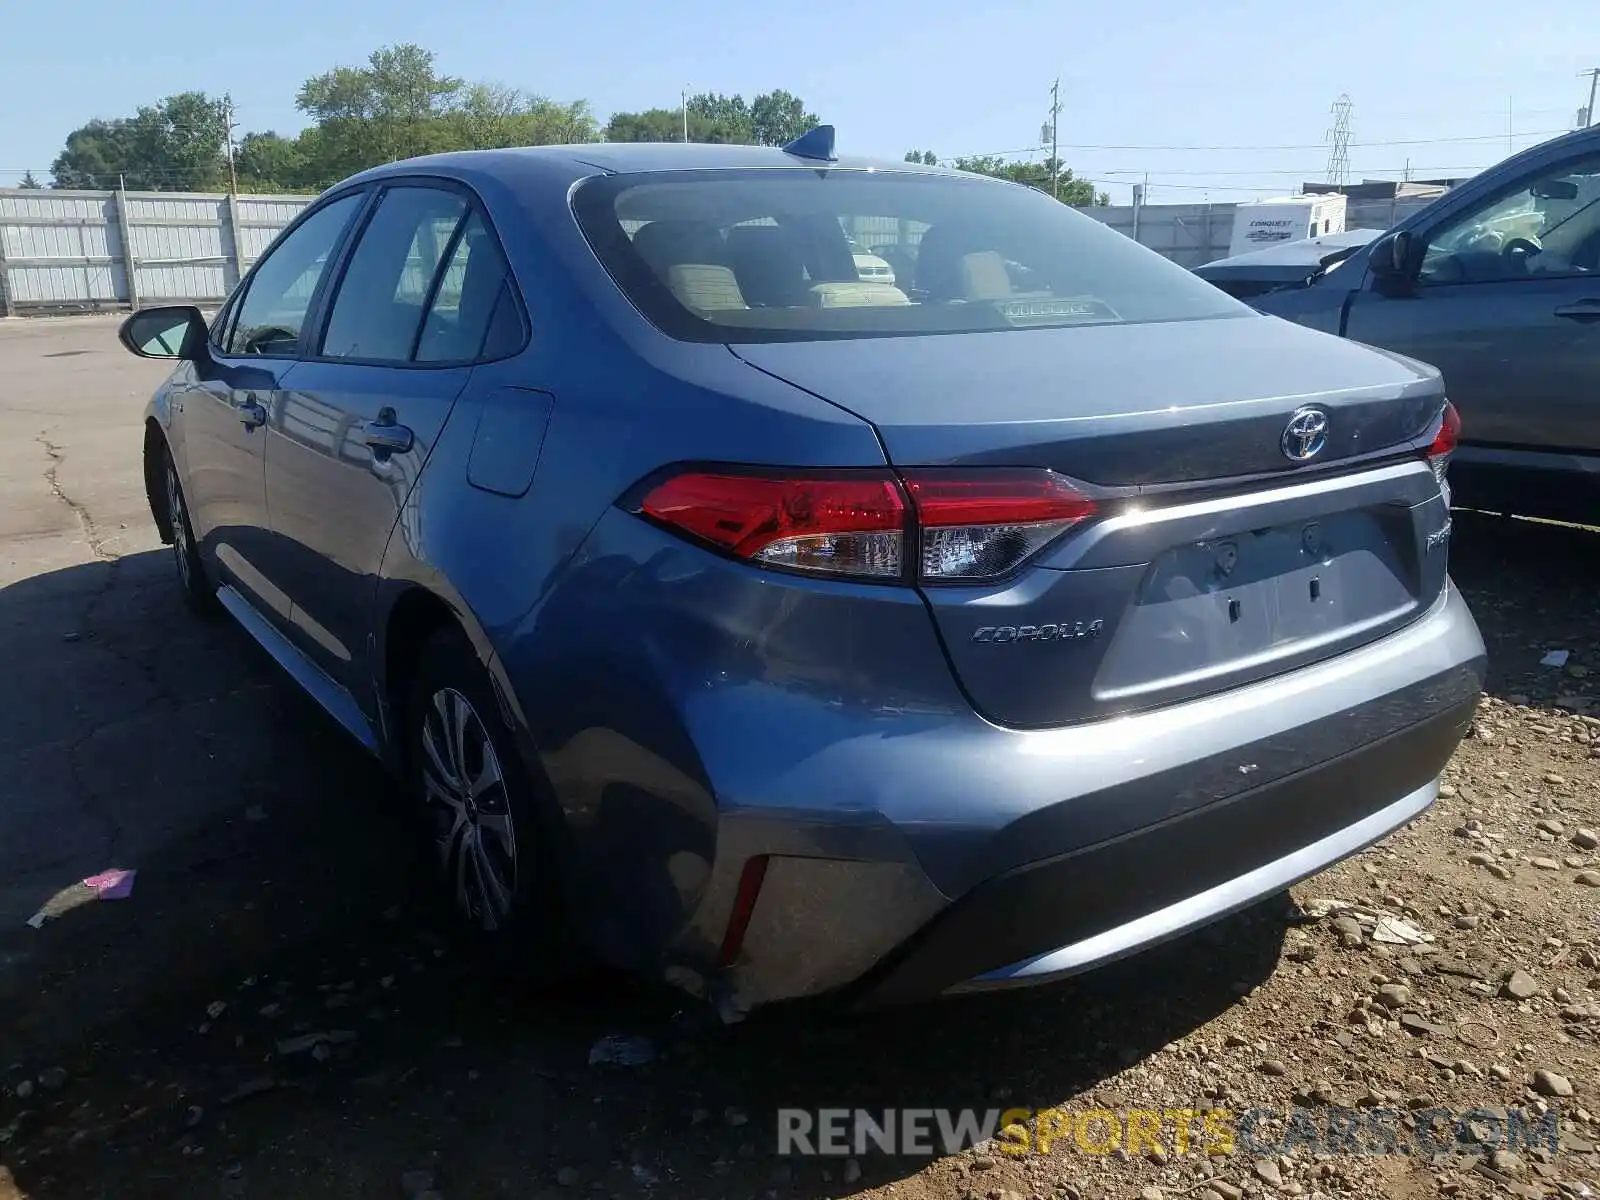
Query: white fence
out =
(69, 251)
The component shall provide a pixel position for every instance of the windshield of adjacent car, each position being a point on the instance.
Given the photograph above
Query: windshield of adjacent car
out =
(745, 256)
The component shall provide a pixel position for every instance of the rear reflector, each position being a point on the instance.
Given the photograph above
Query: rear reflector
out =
(970, 525)
(744, 907)
(979, 526)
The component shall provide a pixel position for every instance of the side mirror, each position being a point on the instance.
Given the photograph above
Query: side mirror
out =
(172, 331)
(1391, 256)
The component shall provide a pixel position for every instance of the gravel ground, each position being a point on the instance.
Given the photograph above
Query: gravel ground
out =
(271, 1014)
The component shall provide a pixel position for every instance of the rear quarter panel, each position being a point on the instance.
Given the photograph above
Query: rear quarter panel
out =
(546, 603)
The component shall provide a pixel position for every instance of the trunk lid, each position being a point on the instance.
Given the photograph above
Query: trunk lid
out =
(1116, 405)
(1214, 560)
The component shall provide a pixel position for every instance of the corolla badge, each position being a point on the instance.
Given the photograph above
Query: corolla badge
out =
(1066, 631)
(1305, 435)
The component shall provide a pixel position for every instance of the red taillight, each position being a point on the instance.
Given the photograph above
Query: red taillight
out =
(970, 524)
(980, 525)
(1449, 433)
(1444, 444)
(844, 524)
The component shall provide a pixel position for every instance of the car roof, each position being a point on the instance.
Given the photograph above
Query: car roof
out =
(1583, 139)
(624, 158)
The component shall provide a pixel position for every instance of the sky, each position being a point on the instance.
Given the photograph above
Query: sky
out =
(1225, 101)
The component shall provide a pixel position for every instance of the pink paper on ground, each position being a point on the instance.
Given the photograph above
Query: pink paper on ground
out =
(111, 885)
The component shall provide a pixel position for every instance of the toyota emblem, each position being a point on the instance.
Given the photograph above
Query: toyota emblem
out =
(1305, 435)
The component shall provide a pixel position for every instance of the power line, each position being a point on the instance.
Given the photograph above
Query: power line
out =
(1322, 145)
(1300, 172)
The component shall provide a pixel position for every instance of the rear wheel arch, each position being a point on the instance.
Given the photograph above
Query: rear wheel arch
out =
(410, 620)
(430, 649)
(416, 615)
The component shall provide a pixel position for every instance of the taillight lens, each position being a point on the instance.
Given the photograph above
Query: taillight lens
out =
(969, 525)
(982, 525)
(839, 525)
(1444, 443)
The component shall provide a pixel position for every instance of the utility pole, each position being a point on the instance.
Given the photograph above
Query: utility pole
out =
(228, 128)
(1588, 113)
(684, 96)
(1055, 160)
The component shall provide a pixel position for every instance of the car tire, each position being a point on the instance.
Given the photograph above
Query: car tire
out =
(492, 830)
(198, 593)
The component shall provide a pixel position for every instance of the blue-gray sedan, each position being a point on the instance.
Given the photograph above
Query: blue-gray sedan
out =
(778, 625)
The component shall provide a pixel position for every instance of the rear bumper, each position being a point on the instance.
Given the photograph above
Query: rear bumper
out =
(1026, 857)
(1057, 917)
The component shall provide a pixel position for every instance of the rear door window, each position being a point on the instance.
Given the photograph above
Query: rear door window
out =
(474, 313)
(379, 306)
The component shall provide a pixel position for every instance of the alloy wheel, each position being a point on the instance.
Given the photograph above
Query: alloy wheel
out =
(465, 790)
(179, 515)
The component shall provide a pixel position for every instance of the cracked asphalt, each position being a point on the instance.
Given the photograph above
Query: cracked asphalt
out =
(276, 1010)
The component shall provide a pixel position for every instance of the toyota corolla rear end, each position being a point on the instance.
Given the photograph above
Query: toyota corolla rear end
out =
(1138, 613)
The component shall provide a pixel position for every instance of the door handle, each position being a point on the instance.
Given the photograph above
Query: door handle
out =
(1581, 310)
(385, 436)
(252, 415)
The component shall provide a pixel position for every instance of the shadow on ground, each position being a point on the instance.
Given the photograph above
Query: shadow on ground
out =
(1534, 587)
(277, 899)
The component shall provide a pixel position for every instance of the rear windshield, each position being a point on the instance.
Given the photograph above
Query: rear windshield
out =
(798, 254)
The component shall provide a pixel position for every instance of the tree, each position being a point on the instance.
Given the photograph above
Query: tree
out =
(184, 138)
(771, 119)
(547, 122)
(724, 119)
(266, 162)
(384, 111)
(28, 181)
(487, 116)
(777, 118)
(398, 106)
(652, 125)
(174, 145)
(96, 154)
(1034, 174)
(395, 105)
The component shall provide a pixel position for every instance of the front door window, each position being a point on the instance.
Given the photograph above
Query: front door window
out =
(283, 285)
(1547, 226)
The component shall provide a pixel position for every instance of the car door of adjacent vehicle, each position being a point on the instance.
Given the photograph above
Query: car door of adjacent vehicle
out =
(224, 411)
(1506, 302)
(421, 296)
